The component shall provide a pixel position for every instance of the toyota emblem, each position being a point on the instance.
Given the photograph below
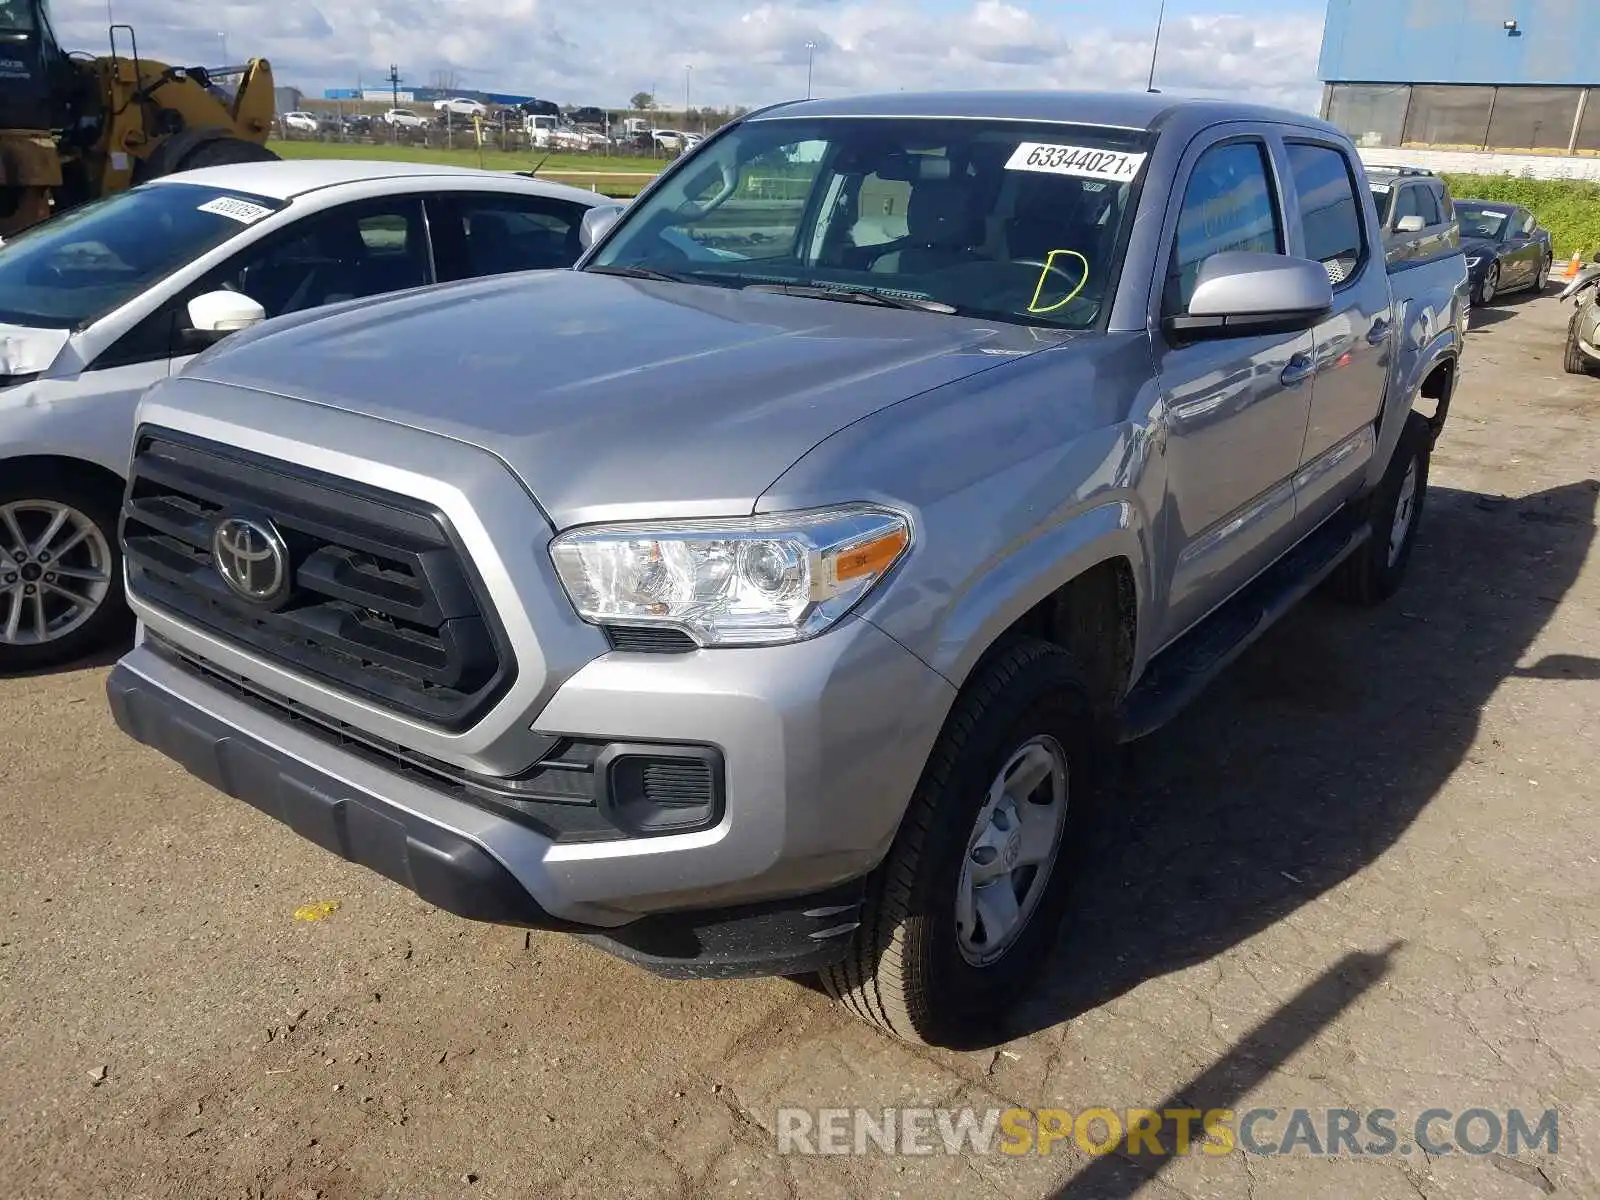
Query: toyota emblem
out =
(251, 558)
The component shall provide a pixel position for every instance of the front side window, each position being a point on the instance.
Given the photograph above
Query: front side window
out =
(1326, 195)
(1228, 204)
(73, 269)
(1409, 204)
(346, 253)
(1006, 221)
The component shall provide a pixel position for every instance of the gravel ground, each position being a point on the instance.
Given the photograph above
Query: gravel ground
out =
(1363, 872)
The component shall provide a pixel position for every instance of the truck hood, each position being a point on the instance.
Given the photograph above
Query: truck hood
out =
(611, 397)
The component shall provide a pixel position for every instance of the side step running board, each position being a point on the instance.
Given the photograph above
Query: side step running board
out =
(1182, 671)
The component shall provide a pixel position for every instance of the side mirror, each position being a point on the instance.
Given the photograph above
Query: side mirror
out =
(1410, 224)
(597, 222)
(1242, 292)
(214, 315)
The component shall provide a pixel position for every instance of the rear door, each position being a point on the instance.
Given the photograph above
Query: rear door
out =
(1235, 408)
(490, 233)
(1354, 343)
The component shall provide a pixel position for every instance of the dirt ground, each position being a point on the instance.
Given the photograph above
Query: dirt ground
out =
(1363, 872)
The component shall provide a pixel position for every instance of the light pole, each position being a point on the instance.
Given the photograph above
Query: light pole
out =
(811, 50)
(223, 38)
(1155, 46)
(688, 73)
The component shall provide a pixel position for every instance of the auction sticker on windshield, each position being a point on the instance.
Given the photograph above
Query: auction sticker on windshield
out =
(1084, 162)
(241, 211)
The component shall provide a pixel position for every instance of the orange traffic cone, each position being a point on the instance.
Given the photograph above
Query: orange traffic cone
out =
(1572, 267)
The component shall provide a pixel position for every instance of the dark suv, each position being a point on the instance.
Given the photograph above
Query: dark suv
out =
(1415, 212)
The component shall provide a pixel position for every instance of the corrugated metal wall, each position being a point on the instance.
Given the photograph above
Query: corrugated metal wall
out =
(1462, 41)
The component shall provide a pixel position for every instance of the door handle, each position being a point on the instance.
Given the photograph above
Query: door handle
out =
(1300, 368)
(1379, 333)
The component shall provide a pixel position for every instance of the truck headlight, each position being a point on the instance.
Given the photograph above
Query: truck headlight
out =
(743, 581)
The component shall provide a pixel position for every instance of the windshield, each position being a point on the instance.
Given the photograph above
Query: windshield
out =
(1481, 222)
(16, 16)
(1383, 197)
(1000, 220)
(69, 271)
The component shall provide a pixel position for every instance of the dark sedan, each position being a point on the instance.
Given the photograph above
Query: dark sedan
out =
(1506, 249)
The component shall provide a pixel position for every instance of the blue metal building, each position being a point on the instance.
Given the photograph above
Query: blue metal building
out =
(1514, 75)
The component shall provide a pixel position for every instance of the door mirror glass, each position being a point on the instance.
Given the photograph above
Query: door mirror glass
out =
(597, 222)
(1410, 224)
(1244, 292)
(224, 312)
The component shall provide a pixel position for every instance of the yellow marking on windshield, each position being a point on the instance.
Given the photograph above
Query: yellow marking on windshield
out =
(1048, 270)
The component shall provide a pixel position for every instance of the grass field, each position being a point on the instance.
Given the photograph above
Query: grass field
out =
(613, 176)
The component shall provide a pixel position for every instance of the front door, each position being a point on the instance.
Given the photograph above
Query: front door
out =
(1234, 409)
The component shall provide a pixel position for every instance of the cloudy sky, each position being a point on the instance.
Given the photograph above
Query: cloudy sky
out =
(740, 51)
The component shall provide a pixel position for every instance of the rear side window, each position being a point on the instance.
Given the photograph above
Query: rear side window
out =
(1428, 205)
(1228, 205)
(1328, 210)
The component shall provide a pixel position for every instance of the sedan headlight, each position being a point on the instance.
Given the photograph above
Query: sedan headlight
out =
(1474, 260)
(744, 581)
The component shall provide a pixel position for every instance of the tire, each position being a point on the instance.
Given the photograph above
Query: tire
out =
(30, 505)
(1374, 572)
(1488, 287)
(1573, 360)
(224, 152)
(1541, 281)
(907, 970)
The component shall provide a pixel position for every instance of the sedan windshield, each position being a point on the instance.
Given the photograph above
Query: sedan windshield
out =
(69, 271)
(1480, 222)
(1000, 220)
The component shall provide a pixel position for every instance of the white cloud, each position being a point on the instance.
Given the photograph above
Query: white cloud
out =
(741, 52)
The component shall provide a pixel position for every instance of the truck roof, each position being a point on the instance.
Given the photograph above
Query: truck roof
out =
(1122, 110)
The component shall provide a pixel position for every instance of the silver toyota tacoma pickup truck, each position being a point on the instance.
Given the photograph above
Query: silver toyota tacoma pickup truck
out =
(764, 595)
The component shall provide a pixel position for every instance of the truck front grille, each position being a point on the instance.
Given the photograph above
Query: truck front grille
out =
(382, 601)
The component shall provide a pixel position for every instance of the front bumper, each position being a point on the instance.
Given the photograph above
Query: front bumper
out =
(822, 743)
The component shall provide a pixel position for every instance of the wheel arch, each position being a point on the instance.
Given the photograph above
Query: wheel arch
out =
(34, 468)
(1082, 586)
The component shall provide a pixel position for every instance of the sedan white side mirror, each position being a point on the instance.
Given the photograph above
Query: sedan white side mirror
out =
(224, 312)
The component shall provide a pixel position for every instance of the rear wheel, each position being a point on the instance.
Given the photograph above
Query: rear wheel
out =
(1374, 572)
(961, 916)
(60, 574)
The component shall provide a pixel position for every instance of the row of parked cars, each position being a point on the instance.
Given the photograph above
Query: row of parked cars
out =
(747, 604)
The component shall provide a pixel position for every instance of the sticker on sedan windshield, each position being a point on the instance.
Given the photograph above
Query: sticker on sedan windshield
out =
(1081, 161)
(241, 211)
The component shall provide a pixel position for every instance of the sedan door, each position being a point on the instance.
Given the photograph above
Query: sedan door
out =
(1235, 409)
(1523, 254)
(490, 233)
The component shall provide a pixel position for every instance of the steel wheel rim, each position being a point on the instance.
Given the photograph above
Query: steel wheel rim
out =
(1011, 851)
(55, 571)
(1404, 513)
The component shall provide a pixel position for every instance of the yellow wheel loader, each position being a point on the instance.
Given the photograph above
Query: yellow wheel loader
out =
(74, 127)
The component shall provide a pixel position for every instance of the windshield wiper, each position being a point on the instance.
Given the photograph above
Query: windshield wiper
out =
(641, 273)
(851, 295)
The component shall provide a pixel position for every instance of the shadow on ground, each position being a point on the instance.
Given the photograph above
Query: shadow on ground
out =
(1316, 751)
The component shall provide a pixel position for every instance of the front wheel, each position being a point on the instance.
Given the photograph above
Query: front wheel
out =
(60, 575)
(1573, 360)
(1488, 286)
(961, 916)
(1542, 279)
(1373, 573)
